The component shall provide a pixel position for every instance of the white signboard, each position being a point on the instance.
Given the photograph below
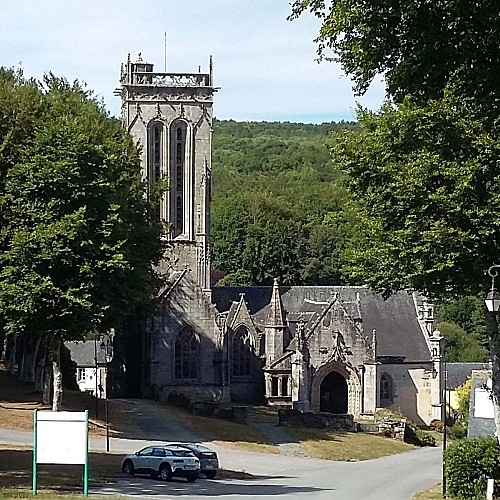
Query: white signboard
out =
(483, 406)
(61, 437)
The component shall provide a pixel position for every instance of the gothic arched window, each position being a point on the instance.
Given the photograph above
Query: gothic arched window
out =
(187, 349)
(241, 353)
(177, 176)
(156, 159)
(386, 390)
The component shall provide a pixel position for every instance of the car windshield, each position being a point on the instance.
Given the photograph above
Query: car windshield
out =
(181, 453)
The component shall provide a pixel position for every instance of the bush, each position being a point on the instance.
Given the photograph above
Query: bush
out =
(437, 425)
(468, 465)
(425, 438)
(457, 431)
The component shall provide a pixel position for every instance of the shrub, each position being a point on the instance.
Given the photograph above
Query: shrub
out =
(437, 425)
(425, 438)
(457, 431)
(468, 465)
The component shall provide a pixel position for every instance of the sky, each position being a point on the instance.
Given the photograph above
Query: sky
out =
(264, 65)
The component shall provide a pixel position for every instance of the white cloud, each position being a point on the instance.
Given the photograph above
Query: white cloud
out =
(264, 64)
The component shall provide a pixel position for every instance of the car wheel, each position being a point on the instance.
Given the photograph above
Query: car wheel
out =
(165, 472)
(210, 474)
(128, 468)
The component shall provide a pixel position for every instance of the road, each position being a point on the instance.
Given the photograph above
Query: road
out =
(396, 477)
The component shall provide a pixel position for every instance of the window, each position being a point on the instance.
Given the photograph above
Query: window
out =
(155, 164)
(177, 176)
(386, 390)
(186, 354)
(284, 386)
(156, 153)
(81, 374)
(274, 386)
(241, 353)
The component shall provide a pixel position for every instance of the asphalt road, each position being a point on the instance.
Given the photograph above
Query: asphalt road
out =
(396, 477)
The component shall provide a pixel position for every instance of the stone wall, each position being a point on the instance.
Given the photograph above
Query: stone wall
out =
(295, 418)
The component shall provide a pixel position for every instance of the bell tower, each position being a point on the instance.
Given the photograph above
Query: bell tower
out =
(170, 116)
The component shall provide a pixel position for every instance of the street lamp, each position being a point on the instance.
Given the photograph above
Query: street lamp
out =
(107, 348)
(492, 300)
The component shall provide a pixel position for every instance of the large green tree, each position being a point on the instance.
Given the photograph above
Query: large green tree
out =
(434, 224)
(422, 47)
(78, 244)
(427, 180)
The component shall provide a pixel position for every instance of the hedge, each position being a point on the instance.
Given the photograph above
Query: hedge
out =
(468, 465)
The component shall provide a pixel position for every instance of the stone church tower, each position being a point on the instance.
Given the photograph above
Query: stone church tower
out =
(170, 116)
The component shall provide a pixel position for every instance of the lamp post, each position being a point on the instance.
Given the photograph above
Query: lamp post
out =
(96, 379)
(492, 300)
(445, 403)
(107, 348)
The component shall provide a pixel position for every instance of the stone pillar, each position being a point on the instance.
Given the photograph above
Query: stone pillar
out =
(269, 386)
(370, 388)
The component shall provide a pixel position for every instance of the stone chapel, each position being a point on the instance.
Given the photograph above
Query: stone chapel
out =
(334, 349)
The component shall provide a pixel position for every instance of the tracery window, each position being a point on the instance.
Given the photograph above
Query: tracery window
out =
(156, 161)
(386, 390)
(241, 353)
(187, 352)
(177, 176)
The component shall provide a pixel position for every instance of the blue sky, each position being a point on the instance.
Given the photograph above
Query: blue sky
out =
(264, 64)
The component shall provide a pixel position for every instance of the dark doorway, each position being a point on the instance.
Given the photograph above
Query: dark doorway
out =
(333, 393)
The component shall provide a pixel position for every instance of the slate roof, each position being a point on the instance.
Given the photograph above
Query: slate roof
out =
(395, 319)
(83, 353)
(457, 373)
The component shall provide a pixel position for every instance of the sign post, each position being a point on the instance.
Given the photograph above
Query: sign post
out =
(61, 438)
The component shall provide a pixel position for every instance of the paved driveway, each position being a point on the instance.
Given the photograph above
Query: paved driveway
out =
(391, 478)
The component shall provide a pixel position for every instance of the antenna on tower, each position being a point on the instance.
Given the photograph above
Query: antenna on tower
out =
(165, 51)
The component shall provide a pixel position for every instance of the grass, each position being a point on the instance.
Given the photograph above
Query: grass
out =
(230, 434)
(434, 493)
(52, 480)
(346, 446)
(19, 399)
(317, 443)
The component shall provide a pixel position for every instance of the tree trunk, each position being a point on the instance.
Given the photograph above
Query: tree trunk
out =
(494, 339)
(56, 370)
(3, 356)
(22, 354)
(47, 376)
(36, 350)
(40, 363)
(10, 358)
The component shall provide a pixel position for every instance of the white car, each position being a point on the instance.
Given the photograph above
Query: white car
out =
(163, 462)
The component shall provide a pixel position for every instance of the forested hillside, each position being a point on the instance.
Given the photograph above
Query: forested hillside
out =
(278, 208)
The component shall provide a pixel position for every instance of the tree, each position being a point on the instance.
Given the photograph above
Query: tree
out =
(421, 47)
(461, 346)
(78, 246)
(427, 182)
(426, 171)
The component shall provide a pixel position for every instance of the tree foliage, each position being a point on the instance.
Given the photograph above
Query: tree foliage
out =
(421, 47)
(427, 181)
(77, 246)
(278, 209)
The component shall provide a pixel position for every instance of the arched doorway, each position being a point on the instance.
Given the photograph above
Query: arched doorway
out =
(333, 393)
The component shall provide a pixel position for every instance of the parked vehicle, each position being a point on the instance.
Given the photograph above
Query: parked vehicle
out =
(163, 462)
(209, 462)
